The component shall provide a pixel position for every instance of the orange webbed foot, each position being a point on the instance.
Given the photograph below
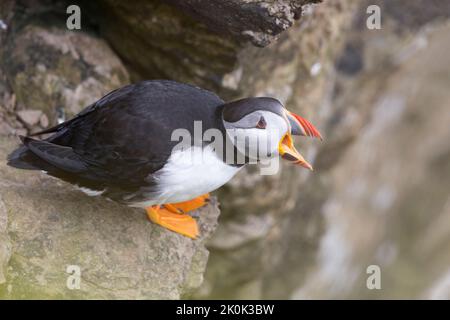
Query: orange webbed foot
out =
(191, 205)
(178, 222)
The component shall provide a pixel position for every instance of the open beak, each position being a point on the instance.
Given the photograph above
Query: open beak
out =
(299, 126)
(288, 152)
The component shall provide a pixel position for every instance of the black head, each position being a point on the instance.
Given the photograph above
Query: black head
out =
(263, 123)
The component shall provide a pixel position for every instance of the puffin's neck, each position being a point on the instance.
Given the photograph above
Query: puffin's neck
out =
(230, 151)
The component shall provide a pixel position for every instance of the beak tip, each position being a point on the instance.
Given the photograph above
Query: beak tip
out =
(305, 165)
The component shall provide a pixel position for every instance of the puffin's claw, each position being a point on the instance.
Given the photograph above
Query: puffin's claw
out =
(172, 208)
(173, 216)
(191, 205)
(180, 223)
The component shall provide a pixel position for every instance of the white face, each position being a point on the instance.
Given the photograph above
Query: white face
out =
(258, 134)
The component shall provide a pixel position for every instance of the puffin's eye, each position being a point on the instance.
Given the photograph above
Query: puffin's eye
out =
(261, 123)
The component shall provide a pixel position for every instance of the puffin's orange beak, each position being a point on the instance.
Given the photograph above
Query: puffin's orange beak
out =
(299, 126)
(288, 152)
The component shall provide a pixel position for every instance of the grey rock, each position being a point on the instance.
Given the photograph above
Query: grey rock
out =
(388, 202)
(46, 226)
(50, 69)
(5, 128)
(202, 43)
(43, 121)
(328, 226)
(270, 228)
(296, 234)
(254, 20)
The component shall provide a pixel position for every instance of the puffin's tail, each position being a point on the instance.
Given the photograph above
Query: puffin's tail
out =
(24, 158)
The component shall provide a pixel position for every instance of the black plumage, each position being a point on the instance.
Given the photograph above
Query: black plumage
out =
(238, 109)
(116, 143)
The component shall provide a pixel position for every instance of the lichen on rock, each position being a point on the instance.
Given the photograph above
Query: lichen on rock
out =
(46, 225)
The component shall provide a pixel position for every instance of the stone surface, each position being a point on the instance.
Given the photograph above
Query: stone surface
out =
(43, 121)
(319, 241)
(30, 117)
(53, 70)
(251, 243)
(46, 226)
(387, 200)
(254, 20)
(157, 40)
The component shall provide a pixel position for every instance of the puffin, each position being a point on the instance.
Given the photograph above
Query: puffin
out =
(123, 147)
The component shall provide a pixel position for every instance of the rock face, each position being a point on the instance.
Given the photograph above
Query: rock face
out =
(46, 226)
(56, 71)
(388, 200)
(347, 214)
(251, 205)
(158, 41)
(252, 244)
(374, 197)
(255, 20)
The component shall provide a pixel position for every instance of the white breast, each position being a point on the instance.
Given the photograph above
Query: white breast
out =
(189, 174)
